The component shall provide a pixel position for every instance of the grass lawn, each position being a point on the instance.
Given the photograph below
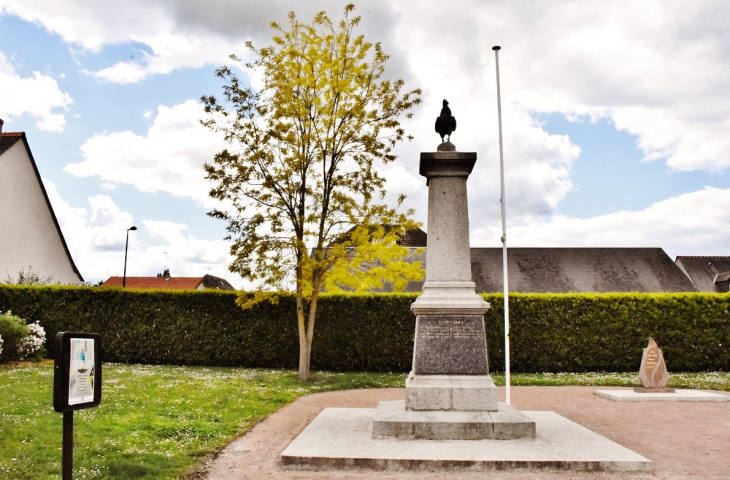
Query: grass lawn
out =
(158, 422)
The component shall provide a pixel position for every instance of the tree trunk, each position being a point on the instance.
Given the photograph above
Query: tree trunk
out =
(306, 335)
(304, 346)
(305, 349)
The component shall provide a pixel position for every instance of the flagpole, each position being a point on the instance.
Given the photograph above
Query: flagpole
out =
(505, 276)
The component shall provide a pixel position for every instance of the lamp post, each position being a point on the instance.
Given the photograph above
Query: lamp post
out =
(126, 247)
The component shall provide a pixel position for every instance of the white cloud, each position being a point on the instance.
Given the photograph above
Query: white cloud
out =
(169, 158)
(696, 223)
(97, 235)
(187, 254)
(92, 24)
(38, 96)
(537, 165)
(171, 52)
(180, 34)
(658, 70)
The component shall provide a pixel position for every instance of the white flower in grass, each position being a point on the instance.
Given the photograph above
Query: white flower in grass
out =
(33, 342)
(1, 344)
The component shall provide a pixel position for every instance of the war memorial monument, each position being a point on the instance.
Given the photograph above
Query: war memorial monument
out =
(451, 417)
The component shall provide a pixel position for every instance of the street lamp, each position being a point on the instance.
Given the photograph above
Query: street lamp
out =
(124, 279)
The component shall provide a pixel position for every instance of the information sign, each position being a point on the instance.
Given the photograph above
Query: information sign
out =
(77, 372)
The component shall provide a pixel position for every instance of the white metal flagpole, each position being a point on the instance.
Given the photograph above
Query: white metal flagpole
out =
(505, 276)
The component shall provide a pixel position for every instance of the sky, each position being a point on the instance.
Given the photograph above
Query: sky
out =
(615, 115)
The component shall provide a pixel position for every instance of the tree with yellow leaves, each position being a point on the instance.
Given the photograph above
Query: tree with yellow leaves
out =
(301, 169)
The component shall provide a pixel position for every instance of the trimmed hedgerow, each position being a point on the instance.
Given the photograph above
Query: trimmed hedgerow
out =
(607, 332)
(374, 332)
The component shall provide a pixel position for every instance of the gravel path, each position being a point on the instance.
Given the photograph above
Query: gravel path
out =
(685, 440)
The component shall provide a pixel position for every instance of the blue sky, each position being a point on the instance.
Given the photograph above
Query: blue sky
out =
(615, 118)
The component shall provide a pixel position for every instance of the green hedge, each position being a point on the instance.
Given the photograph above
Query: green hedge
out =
(549, 333)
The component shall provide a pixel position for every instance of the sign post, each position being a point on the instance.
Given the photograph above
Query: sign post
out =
(76, 383)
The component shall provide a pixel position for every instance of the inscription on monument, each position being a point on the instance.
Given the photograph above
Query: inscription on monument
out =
(651, 360)
(450, 344)
(454, 329)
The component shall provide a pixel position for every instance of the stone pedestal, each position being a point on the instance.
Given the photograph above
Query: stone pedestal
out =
(449, 392)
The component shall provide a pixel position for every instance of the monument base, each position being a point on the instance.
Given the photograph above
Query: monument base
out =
(681, 395)
(340, 439)
(653, 390)
(467, 393)
(392, 419)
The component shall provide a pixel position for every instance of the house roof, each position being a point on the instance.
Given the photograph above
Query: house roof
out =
(411, 238)
(709, 274)
(210, 281)
(564, 270)
(171, 283)
(7, 140)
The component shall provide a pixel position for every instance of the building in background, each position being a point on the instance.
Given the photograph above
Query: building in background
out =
(165, 281)
(709, 274)
(30, 237)
(577, 270)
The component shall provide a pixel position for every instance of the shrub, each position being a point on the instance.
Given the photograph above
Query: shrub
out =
(31, 346)
(12, 329)
(23, 341)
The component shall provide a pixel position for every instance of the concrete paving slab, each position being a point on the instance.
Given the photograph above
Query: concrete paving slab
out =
(629, 395)
(340, 438)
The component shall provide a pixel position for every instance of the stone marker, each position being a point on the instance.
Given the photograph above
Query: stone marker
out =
(653, 371)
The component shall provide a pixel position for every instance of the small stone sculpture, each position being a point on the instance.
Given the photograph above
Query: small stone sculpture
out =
(653, 371)
(445, 125)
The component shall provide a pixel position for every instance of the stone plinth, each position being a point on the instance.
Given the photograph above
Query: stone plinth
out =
(466, 393)
(653, 390)
(392, 419)
(630, 395)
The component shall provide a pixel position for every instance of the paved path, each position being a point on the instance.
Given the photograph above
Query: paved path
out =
(686, 441)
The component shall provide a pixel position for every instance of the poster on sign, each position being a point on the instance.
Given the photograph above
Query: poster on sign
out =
(81, 371)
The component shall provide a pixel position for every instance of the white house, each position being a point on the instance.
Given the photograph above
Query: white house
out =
(29, 232)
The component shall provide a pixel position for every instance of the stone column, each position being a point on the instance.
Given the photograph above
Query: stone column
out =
(450, 364)
(449, 288)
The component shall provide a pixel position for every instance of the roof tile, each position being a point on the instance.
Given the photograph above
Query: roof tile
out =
(173, 283)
